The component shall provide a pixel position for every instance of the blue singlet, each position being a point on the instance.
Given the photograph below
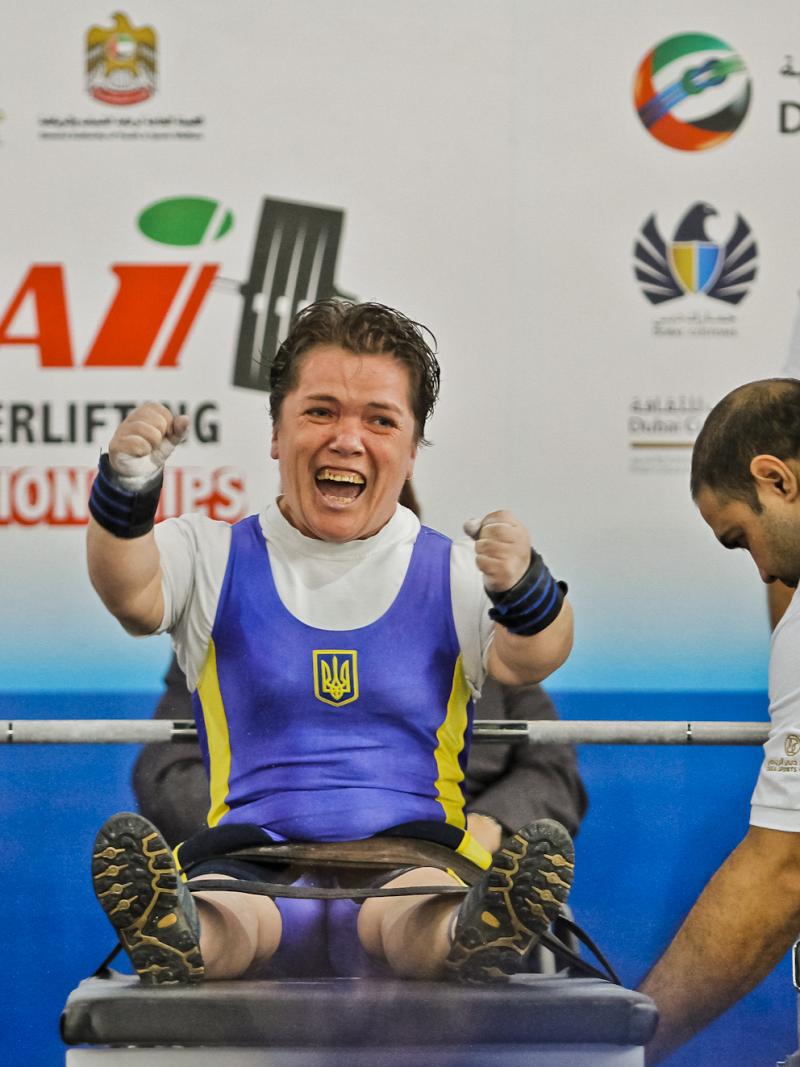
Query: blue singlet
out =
(333, 735)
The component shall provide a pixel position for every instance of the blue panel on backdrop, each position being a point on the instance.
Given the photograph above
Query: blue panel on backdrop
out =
(52, 800)
(661, 820)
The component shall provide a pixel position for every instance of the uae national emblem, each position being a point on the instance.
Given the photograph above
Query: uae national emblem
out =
(336, 676)
(121, 62)
(692, 262)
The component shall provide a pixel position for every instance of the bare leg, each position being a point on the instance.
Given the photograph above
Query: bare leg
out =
(237, 931)
(413, 934)
(498, 922)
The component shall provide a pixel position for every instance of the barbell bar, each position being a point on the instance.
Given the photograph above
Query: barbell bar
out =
(538, 732)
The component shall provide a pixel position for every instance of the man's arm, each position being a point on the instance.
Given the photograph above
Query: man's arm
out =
(525, 599)
(124, 564)
(744, 921)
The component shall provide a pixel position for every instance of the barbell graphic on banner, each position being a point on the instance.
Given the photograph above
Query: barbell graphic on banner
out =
(551, 732)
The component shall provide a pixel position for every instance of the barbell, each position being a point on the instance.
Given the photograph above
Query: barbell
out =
(537, 732)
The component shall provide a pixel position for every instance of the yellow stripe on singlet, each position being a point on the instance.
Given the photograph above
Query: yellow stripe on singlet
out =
(449, 743)
(219, 745)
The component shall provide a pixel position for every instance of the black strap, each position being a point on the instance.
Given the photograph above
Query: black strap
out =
(270, 889)
(530, 605)
(576, 962)
(548, 939)
(125, 513)
(103, 970)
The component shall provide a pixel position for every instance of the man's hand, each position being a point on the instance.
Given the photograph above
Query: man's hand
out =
(502, 549)
(143, 441)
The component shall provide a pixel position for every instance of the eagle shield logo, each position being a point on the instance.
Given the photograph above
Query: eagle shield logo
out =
(692, 262)
(121, 62)
(336, 676)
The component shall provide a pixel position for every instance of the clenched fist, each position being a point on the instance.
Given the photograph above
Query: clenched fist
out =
(502, 549)
(143, 441)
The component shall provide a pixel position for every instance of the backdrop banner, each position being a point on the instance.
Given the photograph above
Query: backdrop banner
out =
(591, 209)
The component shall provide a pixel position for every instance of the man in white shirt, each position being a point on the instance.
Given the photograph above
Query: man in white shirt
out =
(778, 594)
(332, 598)
(746, 483)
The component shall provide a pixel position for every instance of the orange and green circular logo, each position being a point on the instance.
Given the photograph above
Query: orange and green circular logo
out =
(692, 91)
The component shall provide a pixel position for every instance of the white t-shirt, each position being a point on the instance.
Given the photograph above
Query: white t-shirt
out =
(327, 586)
(775, 804)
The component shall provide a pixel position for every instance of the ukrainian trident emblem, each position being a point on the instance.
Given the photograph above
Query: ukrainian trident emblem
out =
(336, 676)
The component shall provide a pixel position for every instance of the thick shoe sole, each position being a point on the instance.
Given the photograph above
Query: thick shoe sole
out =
(507, 912)
(136, 882)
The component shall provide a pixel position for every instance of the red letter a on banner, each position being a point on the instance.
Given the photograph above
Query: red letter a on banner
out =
(45, 284)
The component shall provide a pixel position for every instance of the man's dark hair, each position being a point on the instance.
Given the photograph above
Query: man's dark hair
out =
(760, 418)
(363, 329)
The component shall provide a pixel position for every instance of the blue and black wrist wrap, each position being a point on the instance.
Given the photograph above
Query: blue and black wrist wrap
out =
(123, 512)
(532, 603)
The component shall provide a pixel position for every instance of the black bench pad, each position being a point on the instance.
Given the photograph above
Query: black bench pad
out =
(341, 1012)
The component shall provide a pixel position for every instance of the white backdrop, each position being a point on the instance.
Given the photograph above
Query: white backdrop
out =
(492, 177)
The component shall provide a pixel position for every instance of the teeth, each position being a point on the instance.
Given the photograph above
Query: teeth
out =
(340, 476)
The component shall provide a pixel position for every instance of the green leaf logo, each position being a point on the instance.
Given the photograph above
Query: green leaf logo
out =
(185, 221)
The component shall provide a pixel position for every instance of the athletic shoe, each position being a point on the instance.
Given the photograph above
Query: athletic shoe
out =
(507, 911)
(138, 886)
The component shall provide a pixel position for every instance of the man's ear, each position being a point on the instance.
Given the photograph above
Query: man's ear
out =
(773, 476)
(273, 448)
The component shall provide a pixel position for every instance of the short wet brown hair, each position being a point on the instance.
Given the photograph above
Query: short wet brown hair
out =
(364, 329)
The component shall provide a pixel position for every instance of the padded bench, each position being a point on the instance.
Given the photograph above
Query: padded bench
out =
(531, 1021)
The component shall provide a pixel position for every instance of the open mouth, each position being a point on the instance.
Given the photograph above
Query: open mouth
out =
(340, 487)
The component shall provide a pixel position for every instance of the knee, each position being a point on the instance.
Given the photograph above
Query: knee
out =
(412, 953)
(368, 926)
(237, 932)
(414, 940)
